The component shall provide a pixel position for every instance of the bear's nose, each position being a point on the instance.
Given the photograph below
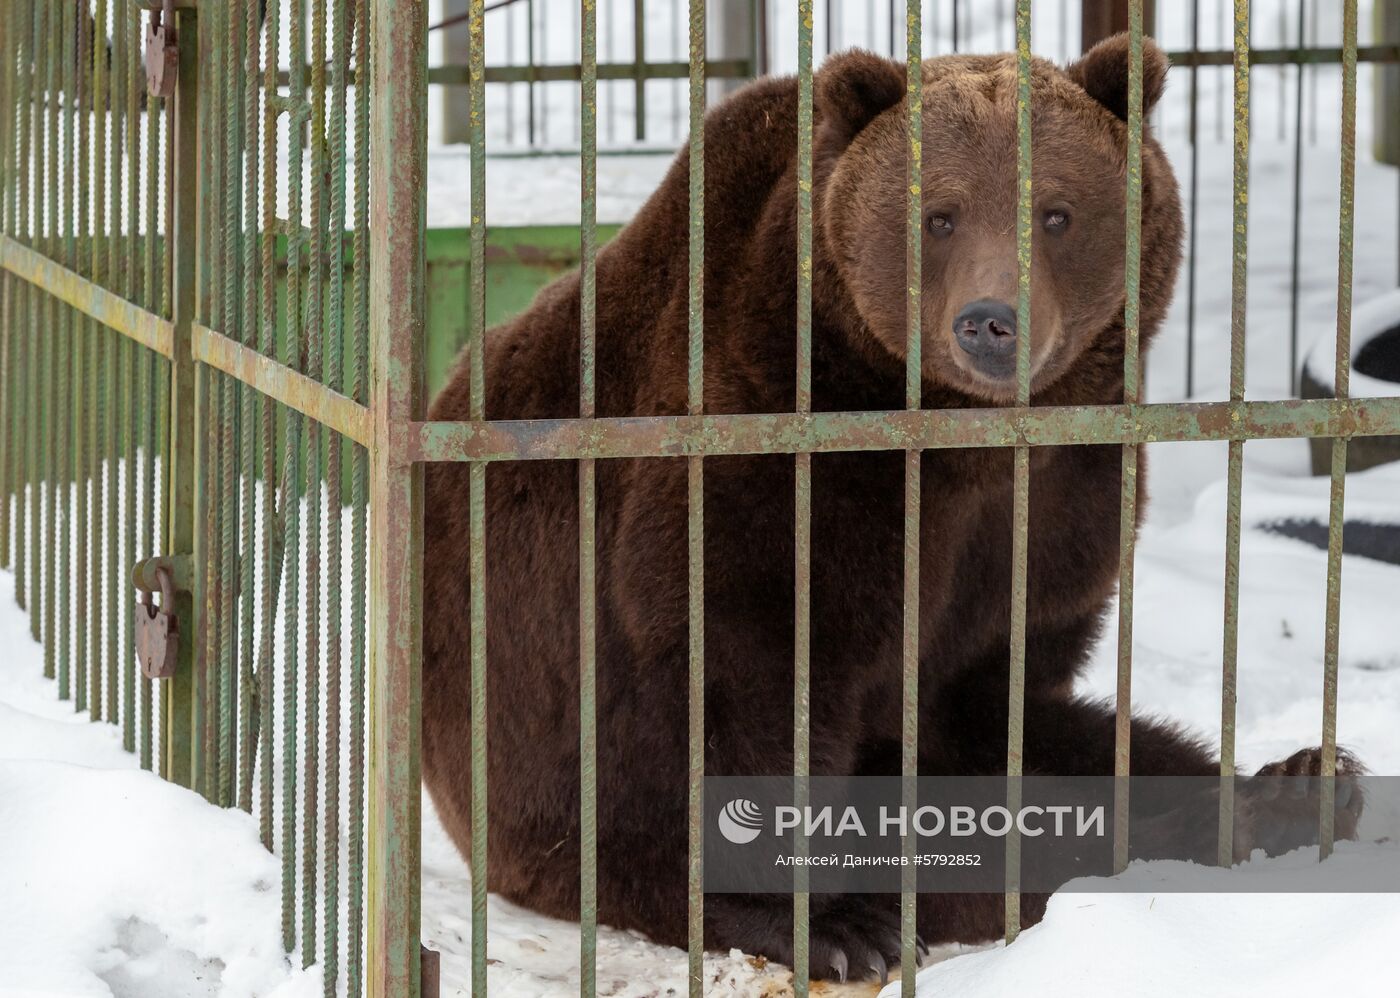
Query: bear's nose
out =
(986, 329)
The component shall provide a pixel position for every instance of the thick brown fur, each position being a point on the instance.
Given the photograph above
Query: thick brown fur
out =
(531, 372)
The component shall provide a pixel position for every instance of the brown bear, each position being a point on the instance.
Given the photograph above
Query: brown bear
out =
(858, 314)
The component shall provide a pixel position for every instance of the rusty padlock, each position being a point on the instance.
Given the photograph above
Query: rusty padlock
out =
(157, 630)
(162, 52)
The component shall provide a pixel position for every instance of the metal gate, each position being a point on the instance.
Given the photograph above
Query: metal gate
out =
(212, 317)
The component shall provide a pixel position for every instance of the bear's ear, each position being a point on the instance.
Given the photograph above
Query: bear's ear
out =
(1103, 73)
(852, 89)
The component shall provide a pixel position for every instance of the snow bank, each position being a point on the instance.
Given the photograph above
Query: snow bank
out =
(1213, 943)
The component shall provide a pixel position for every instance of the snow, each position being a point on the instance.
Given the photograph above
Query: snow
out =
(114, 881)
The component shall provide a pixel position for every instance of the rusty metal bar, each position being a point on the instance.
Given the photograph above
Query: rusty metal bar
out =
(1020, 514)
(1127, 517)
(1341, 389)
(1235, 467)
(822, 432)
(179, 707)
(802, 508)
(695, 513)
(20, 338)
(283, 384)
(398, 150)
(913, 485)
(476, 346)
(128, 24)
(587, 493)
(10, 47)
(359, 491)
(36, 368)
(68, 286)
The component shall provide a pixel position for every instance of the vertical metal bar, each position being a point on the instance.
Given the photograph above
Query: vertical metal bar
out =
(1021, 480)
(97, 380)
(398, 149)
(913, 483)
(10, 46)
(1127, 516)
(1342, 390)
(802, 507)
(129, 25)
(1235, 472)
(695, 505)
(150, 392)
(291, 456)
(359, 490)
(335, 331)
(476, 483)
(63, 413)
(39, 359)
(639, 58)
(54, 317)
(1193, 199)
(267, 344)
(85, 332)
(249, 728)
(116, 266)
(315, 326)
(587, 492)
(1295, 260)
(20, 340)
(179, 746)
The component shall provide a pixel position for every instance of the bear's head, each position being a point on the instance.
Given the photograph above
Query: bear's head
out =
(969, 209)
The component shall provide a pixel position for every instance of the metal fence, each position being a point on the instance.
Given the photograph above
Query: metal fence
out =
(211, 337)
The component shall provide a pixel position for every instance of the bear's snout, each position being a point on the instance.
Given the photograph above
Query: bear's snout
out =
(986, 330)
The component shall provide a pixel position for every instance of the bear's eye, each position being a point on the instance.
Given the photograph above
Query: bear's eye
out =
(1056, 220)
(940, 224)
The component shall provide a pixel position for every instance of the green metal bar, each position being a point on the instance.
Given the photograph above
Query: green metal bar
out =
(36, 369)
(63, 414)
(1235, 466)
(20, 311)
(291, 511)
(476, 346)
(82, 465)
(639, 58)
(314, 354)
(802, 508)
(398, 147)
(116, 268)
(150, 390)
(1021, 476)
(180, 745)
(97, 379)
(10, 46)
(283, 384)
(230, 47)
(335, 339)
(248, 728)
(587, 499)
(913, 481)
(1294, 289)
(267, 333)
(359, 491)
(695, 516)
(1127, 517)
(91, 299)
(49, 374)
(822, 432)
(1342, 390)
(129, 25)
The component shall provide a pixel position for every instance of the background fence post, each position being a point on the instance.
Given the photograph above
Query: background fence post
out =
(1101, 18)
(456, 51)
(177, 699)
(398, 221)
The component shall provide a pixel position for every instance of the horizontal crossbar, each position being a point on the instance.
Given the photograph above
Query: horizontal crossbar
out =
(1284, 57)
(70, 287)
(281, 384)
(929, 429)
